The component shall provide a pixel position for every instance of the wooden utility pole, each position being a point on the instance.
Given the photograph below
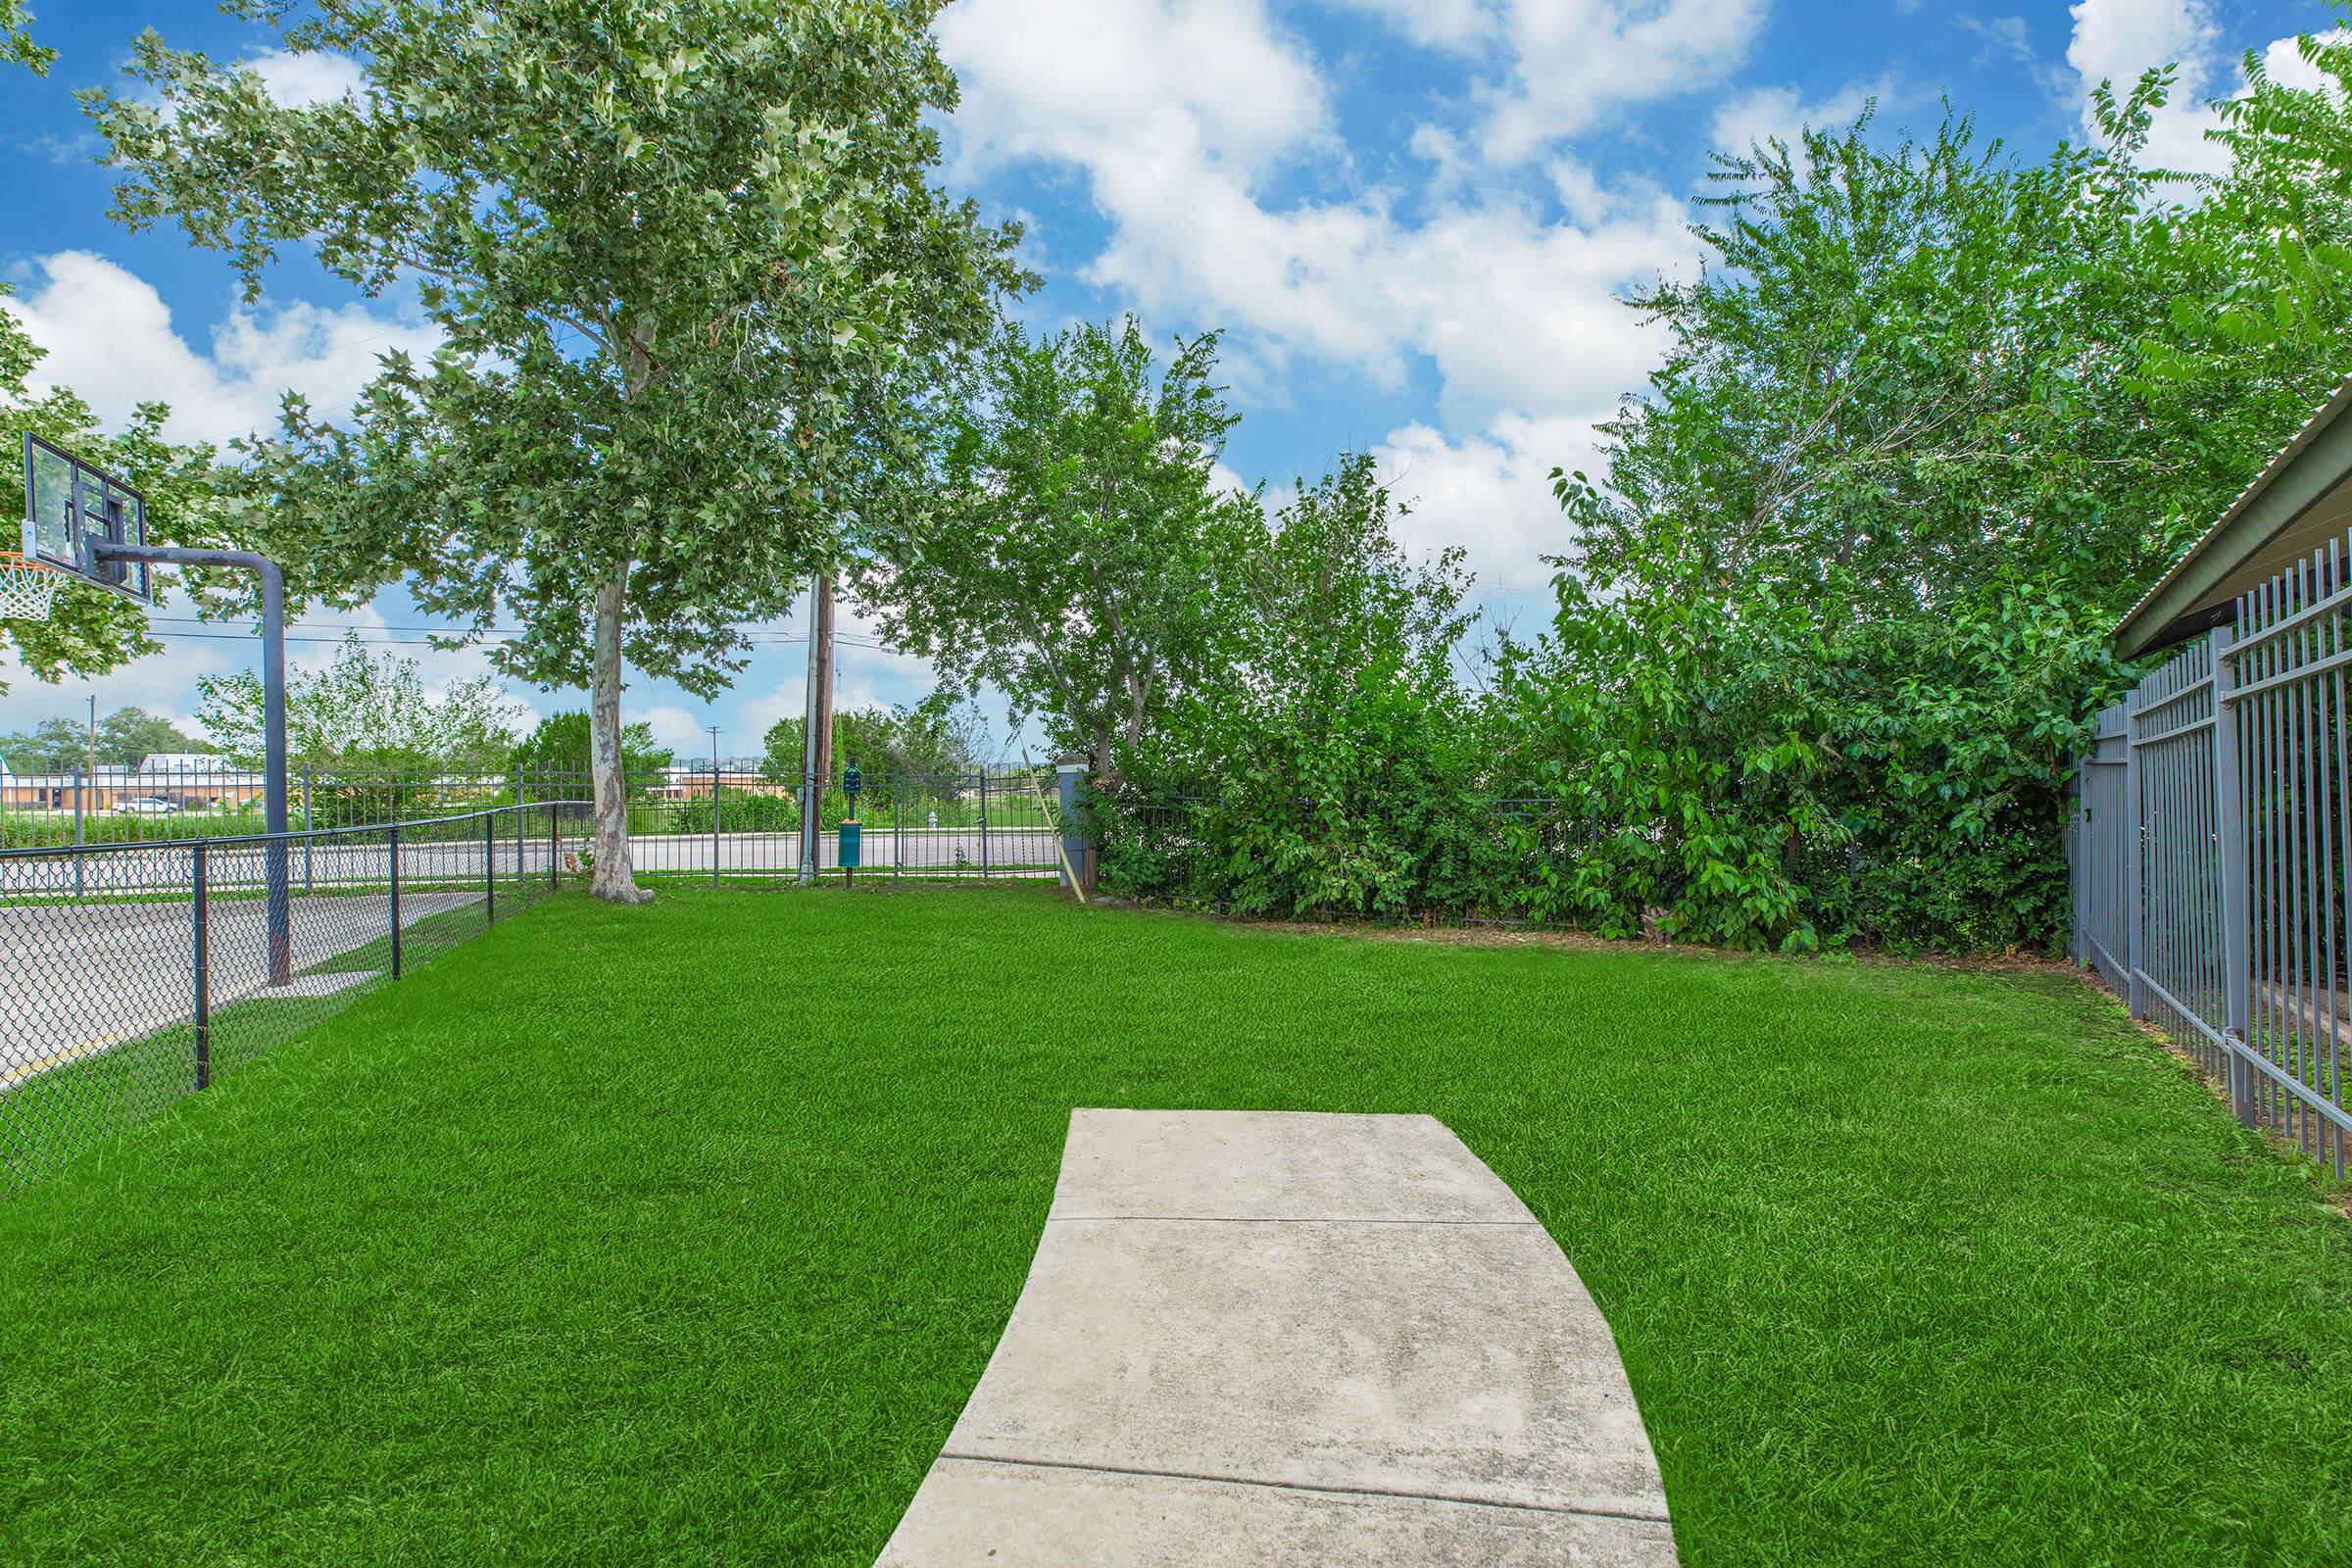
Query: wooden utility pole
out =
(823, 633)
(808, 776)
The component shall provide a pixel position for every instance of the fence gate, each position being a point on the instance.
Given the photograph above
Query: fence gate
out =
(2212, 854)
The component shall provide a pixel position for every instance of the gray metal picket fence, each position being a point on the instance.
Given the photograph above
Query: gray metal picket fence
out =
(2211, 848)
(981, 822)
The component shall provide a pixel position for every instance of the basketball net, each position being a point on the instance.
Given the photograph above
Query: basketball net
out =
(26, 588)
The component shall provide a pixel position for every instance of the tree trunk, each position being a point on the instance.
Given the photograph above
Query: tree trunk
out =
(613, 878)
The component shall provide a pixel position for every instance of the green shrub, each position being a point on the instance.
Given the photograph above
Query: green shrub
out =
(738, 813)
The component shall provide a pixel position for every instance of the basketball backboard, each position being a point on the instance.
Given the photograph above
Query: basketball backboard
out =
(70, 507)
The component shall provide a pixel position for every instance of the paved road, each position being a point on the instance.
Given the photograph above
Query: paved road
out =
(1274, 1338)
(141, 869)
(78, 978)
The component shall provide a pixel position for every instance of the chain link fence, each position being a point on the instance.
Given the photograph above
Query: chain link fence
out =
(133, 973)
(149, 948)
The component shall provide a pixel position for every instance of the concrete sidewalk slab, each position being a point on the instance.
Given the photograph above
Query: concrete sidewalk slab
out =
(1151, 1164)
(987, 1515)
(1272, 1337)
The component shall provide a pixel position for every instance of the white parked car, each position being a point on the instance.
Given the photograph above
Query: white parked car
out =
(146, 805)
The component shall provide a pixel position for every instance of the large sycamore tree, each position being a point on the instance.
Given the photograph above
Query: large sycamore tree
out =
(697, 291)
(16, 40)
(1079, 538)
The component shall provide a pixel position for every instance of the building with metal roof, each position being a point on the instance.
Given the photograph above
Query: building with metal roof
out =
(2300, 502)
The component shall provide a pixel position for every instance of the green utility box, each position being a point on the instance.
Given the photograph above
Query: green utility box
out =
(853, 835)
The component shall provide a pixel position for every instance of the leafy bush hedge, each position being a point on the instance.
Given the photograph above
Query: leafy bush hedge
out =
(737, 813)
(1707, 768)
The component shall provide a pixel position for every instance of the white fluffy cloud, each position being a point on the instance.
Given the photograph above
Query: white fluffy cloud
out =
(1517, 311)
(2115, 40)
(109, 337)
(1045, 79)
(1757, 115)
(1573, 59)
(164, 685)
(678, 729)
(1555, 68)
(1489, 494)
(1514, 311)
(2284, 61)
(1431, 23)
(296, 80)
(2118, 39)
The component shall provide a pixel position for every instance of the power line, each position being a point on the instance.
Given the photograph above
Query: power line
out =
(374, 635)
(246, 637)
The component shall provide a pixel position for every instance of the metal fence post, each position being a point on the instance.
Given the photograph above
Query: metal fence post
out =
(897, 838)
(555, 851)
(2229, 833)
(489, 868)
(78, 830)
(306, 826)
(200, 872)
(715, 824)
(394, 832)
(984, 821)
(2135, 993)
(2072, 841)
(1067, 775)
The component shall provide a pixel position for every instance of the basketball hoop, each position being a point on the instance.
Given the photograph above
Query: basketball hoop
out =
(26, 588)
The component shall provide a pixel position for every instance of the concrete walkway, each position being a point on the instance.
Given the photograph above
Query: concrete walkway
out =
(1276, 1339)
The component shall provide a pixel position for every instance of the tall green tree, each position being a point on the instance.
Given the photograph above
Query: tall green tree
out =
(934, 737)
(53, 745)
(368, 712)
(128, 736)
(556, 758)
(1333, 747)
(698, 293)
(1822, 662)
(1903, 369)
(2259, 330)
(1071, 557)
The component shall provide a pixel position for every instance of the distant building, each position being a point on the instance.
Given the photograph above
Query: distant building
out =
(187, 764)
(691, 781)
(2291, 517)
(189, 779)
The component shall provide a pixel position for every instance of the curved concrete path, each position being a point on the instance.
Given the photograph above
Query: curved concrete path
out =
(1262, 1337)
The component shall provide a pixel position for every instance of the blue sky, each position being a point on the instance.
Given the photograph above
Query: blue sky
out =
(1414, 220)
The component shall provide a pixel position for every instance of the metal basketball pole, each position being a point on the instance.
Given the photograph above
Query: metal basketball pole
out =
(273, 720)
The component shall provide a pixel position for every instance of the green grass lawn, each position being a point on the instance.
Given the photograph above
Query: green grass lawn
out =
(681, 1234)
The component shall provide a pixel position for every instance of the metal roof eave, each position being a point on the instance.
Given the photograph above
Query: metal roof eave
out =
(2315, 461)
